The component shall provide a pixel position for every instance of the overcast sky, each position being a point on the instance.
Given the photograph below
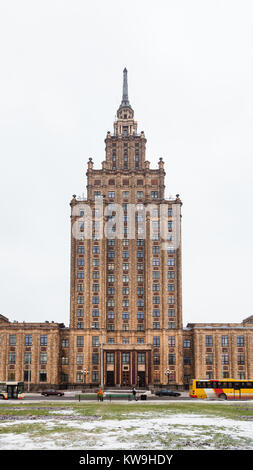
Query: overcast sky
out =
(190, 76)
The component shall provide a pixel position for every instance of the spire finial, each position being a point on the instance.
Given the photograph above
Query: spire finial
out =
(125, 100)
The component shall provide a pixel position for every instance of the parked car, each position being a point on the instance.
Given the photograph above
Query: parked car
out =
(170, 393)
(52, 391)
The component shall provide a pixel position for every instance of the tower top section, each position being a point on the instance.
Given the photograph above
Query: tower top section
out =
(125, 110)
(125, 99)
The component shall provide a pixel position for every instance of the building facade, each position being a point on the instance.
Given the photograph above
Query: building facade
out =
(126, 325)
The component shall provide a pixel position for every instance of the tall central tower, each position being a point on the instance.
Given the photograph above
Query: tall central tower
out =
(126, 306)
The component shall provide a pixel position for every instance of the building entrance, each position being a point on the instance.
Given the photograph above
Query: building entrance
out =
(110, 378)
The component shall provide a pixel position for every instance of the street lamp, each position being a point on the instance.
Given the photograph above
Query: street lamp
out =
(168, 372)
(85, 372)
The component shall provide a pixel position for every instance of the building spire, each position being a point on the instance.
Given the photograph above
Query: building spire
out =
(125, 100)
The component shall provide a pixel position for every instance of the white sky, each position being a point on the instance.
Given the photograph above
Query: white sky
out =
(190, 75)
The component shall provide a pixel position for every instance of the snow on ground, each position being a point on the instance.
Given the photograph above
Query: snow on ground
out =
(172, 431)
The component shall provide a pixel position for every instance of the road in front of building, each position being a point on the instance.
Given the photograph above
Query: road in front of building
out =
(79, 396)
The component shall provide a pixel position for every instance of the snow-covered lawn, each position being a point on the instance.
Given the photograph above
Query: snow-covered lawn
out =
(66, 429)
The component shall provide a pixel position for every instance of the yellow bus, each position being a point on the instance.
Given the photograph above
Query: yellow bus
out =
(226, 389)
(12, 390)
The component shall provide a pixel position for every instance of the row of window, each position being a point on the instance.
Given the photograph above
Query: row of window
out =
(125, 277)
(224, 340)
(225, 359)
(28, 340)
(27, 358)
(125, 194)
(125, 302)
(125, 315)
(125, 266)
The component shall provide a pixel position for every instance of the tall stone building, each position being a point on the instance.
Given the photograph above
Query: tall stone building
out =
(126, 324)
(124, 285)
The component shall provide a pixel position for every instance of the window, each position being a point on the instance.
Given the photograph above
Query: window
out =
(187, 361)
(79, 359)
(95, 312)
(140, 194)
(12, 358)
(27, 376)
(80, 325)
(110, 315)
(209, 340)
(240, 340)
(141, 358)
(125, 358)
(43, 358)
(171, 299)
(111, 194)
(125, 315)
(156, 299)
(80, 262)
(224, 359)
(125, 303)
(172, 359)
(171, 312)
(125, 340)
(28, 340)
(156, 340)
(140, 315)
(140, 302)
(171, 262)
(224, 341)
(110, 327)
(125, 194)
(80, 275)
(187, 343)
(156, 275)
(80, 312)
(140, 340)
(28, 357)
(171, 275)
(79, 341)
(171, 287)
(209, 359)
(172, 341)
(154, 194)
(79, 377)
(95, 249)
(12, 340)
(156, 325)
(97, 194)
(240, 359)
(65, 343)
(156, 313)
(43, 376)
(43, 340)
(110, 358)
(80, 249)
(95, 341)
(95, 299)
(80, 299)
(95, 358)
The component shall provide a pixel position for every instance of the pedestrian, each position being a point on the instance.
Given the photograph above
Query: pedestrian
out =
(100, 395)
(134, 393)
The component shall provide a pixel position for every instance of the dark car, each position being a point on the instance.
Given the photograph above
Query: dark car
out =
(52, 391)
(167, 393)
